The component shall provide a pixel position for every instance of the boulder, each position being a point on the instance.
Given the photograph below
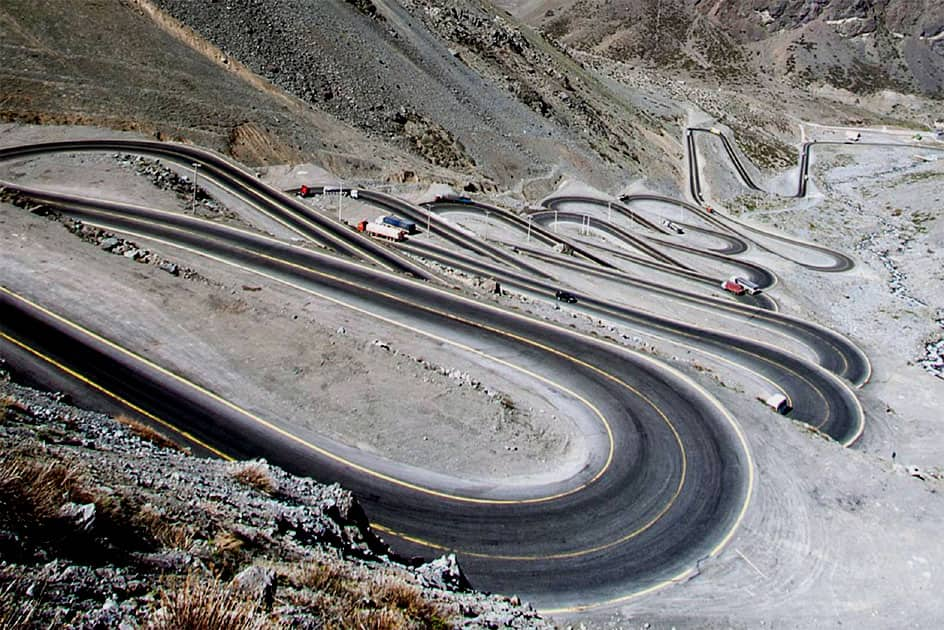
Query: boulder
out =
(81, 516)
(444, 572)
(109, 243)
(257, 582)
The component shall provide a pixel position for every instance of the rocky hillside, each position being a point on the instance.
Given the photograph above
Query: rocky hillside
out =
(107, 524)
(445, 91)
(860, 46)
(456, 83)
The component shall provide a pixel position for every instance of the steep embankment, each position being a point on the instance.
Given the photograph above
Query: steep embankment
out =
(455, 83)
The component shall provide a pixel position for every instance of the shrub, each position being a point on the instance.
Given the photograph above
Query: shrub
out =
(377, 602)
(148, 433)
(36, 490)
(201, 602)
(255, 474)
(9, 407)
(408, 600)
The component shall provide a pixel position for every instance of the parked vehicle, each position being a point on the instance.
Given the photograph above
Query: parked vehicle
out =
(672, 226)
(853, 136)
(733, 287)
(305, 191)
(779, 403)
(751, 287)
(564, 296)
(403, 224)
(381, 230)
(455, 199)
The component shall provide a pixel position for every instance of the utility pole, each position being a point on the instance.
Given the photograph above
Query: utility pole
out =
(429, 219)
(555, 222)
(193, 200)
(340, 188)
(486, 225)
(529, 228)
(609, 211)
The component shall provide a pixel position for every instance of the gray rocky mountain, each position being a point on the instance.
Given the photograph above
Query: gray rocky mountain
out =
(860, 46)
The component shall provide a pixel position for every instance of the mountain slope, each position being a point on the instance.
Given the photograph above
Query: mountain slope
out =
(860, 46)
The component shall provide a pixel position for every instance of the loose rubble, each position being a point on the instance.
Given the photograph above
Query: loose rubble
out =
(200, 201)
(933, 359)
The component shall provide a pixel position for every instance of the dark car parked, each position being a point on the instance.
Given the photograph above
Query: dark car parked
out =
(564, 296)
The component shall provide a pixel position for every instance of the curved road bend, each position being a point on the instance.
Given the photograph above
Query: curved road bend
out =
(665, 430)
(667, 489)
(512, 220)
(550, 217)
(551, 203)
(842, 261)
(834, 352)
(761, 301)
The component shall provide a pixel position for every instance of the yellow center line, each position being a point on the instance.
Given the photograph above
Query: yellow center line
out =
(450, 316)
(186, 435)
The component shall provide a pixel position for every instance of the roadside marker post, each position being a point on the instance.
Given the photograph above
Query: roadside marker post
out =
(193, 200)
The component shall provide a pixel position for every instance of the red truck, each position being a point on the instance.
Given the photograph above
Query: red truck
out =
(733, 287)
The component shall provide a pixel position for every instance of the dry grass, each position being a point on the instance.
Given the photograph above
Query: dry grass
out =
(398, 595)
(9, 407)
(148, 433)
(376, 602)
(34, 487)
(326, 578)
(229, 554)
(15, 611)
(227, 542)
(255, 474)
(35, 490)
(168, 534)
(201, 602)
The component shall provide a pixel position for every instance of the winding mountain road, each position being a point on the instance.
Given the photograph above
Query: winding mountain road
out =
(667, 473)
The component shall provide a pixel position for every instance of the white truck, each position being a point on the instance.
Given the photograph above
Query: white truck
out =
(779, 403)
(381, 230)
